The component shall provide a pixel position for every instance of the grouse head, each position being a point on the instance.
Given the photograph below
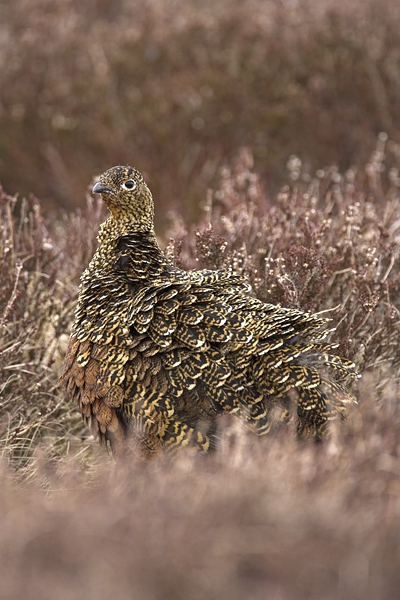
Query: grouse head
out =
(127, 197)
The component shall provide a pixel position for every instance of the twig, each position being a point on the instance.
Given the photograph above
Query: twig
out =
(13, 297)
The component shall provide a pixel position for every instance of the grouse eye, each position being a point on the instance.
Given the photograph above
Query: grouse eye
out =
(129, 185)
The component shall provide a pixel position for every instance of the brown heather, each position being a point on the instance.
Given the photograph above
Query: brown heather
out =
(261, 518)
(175, 88)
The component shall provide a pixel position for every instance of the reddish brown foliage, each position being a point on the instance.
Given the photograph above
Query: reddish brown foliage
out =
(177, 88)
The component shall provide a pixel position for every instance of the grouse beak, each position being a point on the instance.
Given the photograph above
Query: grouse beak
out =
(101, 189)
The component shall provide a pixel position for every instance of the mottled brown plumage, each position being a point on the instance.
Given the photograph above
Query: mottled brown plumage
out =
(157, 353)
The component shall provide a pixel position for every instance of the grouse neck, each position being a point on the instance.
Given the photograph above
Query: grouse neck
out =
(112, 229)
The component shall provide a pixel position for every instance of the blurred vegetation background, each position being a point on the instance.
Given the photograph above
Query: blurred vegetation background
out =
(177, 88)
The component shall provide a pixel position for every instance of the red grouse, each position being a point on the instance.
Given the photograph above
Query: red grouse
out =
(156, 353)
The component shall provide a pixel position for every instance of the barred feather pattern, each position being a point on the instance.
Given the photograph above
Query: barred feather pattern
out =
(156, 353)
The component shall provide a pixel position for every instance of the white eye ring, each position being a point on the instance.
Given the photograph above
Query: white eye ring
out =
(128, 185)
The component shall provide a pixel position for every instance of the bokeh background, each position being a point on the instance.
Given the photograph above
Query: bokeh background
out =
(176, 88)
